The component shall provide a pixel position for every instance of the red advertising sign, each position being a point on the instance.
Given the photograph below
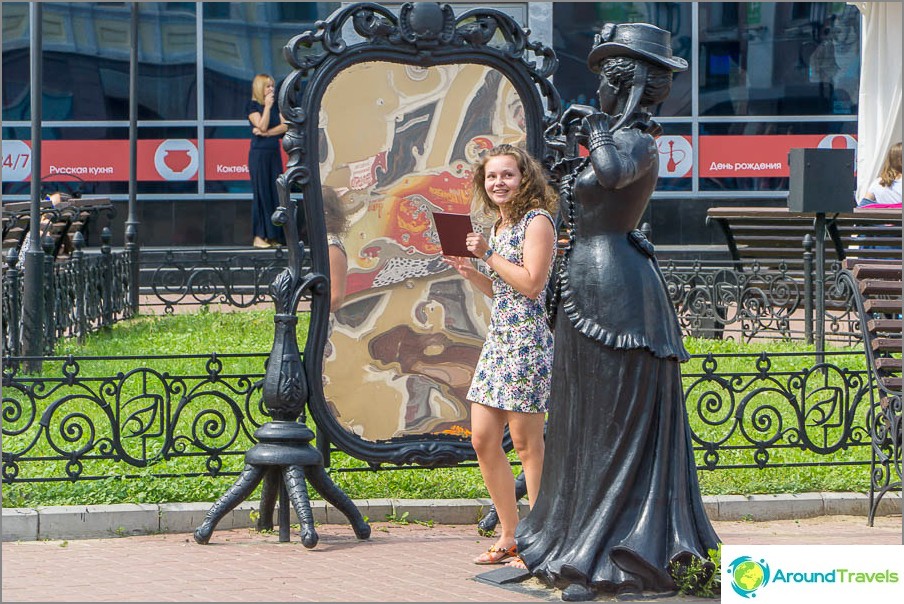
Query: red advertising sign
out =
(227, 159)
(763, 156)
(108, 160)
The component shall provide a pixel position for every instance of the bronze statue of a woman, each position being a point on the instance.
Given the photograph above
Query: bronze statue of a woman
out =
(619, 499)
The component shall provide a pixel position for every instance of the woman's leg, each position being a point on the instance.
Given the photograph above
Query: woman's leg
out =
(487, 428)
(526, 430)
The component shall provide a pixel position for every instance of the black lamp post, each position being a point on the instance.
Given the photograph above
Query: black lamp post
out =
(33, 295)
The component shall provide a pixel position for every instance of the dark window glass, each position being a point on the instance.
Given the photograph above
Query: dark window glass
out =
(167, 56)
(243, 39)
(776, 58)
(86, 61)
(575, 24)
(16, 93)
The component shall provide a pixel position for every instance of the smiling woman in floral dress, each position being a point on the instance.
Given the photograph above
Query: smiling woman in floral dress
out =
(511, 382)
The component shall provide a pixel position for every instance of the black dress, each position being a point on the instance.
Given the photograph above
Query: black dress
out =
(619, 498)
(264, 167)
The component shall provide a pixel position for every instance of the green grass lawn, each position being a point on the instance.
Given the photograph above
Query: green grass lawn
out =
(252, 332)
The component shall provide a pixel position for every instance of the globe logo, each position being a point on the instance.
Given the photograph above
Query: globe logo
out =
(747, 575)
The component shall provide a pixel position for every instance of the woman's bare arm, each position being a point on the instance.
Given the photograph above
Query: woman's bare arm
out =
(530, 279)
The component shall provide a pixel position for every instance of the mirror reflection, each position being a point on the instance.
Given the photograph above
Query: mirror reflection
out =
(405, 330)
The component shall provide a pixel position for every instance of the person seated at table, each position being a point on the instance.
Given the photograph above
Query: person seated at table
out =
(886, 190)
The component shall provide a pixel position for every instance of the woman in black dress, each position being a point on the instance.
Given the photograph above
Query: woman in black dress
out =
(619, 499)
(264, 160)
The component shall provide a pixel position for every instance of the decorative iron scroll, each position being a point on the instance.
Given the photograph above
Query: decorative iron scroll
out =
(716, 300)
(748, 419)
(883, 417)
(413, 68)
(77, 421)
(82, 419)
(202, 277)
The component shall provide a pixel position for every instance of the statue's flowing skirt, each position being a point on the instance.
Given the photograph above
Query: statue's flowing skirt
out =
(619, 498)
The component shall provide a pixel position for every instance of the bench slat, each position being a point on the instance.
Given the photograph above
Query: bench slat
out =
(892, 383)
(877, 326)
(888, 364)
(880, 287)
(886, 344)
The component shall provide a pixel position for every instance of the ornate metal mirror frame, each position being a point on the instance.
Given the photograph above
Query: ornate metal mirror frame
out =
(426, 42)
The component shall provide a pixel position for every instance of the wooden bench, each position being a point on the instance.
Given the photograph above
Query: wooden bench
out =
(775, 236)
(17, 221)
(60, 222)
(880, 305)
(84, 212)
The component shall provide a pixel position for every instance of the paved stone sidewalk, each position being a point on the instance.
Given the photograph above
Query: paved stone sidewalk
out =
(400, 563)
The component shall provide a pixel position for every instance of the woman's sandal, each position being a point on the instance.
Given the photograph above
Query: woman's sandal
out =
(516, 562)
(496, 555)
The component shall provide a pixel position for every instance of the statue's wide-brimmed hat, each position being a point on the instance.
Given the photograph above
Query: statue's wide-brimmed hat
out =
(635, 40)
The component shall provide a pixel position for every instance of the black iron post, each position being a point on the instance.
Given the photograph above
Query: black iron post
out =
(49, 294)
(106, 255)
(81, 286)
(132, 246)
(808, 288)
(33, 296)
(820, 281)
(13, 325)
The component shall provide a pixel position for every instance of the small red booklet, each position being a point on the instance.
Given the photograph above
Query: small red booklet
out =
(452, 230)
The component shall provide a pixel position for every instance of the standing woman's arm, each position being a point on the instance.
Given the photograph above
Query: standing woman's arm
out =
(530, 279)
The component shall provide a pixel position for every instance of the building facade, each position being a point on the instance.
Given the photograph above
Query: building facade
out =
(764, 77)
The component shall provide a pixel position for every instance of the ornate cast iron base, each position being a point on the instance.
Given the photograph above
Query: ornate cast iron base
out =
(284, 459)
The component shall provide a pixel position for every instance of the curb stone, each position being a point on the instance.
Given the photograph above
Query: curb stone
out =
(104, 521)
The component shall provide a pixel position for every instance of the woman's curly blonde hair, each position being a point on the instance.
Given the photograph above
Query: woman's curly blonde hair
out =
(534, 191)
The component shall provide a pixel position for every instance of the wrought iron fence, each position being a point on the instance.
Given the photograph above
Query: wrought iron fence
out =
(237, 278)
(713, 299)
(720, 299)
(88, 418)
(82, 294)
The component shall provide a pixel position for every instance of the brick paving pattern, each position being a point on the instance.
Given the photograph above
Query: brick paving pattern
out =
(400, 563)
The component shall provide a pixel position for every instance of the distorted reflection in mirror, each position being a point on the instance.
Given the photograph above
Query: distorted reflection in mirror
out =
(406, 332)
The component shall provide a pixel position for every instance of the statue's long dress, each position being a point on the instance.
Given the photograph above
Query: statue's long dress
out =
(619, 498)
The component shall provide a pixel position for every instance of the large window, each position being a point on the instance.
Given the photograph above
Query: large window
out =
(85, 86)
(796, 66)
(575, 24)
(778, 58)
(764, 77)
(242, 39)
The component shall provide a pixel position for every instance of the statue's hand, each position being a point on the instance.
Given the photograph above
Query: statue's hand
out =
(654, 130)
(597, 122)
(575, 113)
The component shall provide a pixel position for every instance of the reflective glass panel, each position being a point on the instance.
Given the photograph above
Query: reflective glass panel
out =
(86, 61)
(243, 39)
(779, 58)
(575, 24)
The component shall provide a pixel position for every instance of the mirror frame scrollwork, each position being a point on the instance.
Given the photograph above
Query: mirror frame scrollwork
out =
(424, 34)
